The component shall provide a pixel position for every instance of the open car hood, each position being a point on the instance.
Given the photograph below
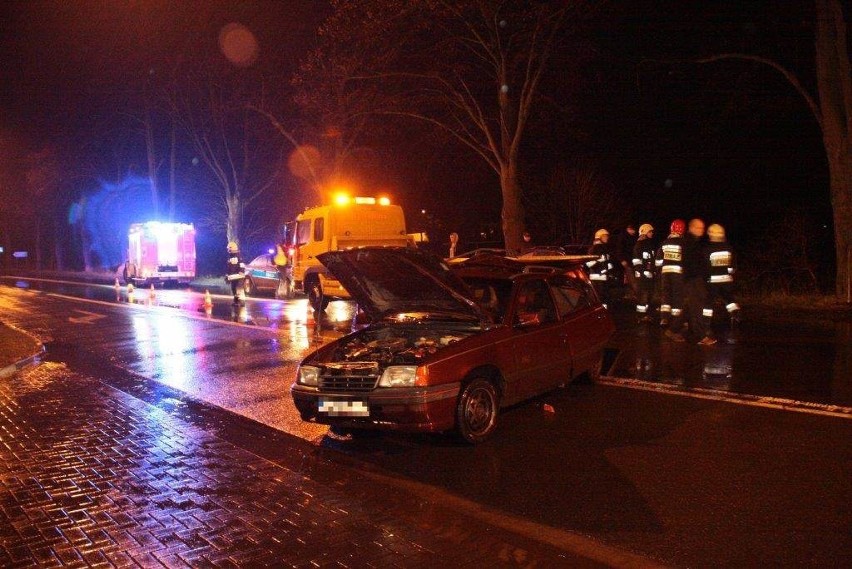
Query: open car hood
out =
(399, 281)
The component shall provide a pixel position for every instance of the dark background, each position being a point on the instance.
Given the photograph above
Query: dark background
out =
(729, 141)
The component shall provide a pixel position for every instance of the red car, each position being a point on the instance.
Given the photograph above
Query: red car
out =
(446, 348)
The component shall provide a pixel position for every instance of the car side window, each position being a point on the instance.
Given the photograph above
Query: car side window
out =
(535, 305)
(570, 296)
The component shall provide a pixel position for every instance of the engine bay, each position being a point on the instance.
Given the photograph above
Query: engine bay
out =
(392, 346)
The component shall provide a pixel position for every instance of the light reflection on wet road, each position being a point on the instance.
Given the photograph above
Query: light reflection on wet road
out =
(808, 361)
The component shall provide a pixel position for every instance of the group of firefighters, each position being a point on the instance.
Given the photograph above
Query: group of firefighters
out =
(688, 274)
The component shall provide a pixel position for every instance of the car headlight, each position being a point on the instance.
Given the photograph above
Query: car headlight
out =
(398, 376)
(308, 375)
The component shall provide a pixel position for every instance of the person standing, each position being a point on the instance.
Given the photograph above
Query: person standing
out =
(644, 268)
(601, 268)
(719, 259)
(454, 241)
(235, 274)
(671, 275)
(285, 277)
(626, 242)
(694, 277)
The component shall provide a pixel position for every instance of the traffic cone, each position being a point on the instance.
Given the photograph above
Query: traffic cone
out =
(131, 293)
(208, 302)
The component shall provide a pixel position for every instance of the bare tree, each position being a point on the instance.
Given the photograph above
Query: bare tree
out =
(832, 110)
(236, 146)
(473, 68)
(43, 178)
(578, 201)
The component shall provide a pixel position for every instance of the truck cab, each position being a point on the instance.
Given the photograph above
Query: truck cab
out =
(347, 223)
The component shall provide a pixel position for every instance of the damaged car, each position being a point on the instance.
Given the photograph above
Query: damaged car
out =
(446, 349)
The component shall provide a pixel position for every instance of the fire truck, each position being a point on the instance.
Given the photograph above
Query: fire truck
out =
(160, 253)
(347, 223)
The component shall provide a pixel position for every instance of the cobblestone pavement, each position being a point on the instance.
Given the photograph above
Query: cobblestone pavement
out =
(92, 474)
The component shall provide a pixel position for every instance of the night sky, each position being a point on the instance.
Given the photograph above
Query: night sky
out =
(731, 141)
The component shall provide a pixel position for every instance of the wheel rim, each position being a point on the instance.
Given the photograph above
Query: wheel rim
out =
(479, 410)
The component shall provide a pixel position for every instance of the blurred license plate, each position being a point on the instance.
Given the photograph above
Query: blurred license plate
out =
(337, 408)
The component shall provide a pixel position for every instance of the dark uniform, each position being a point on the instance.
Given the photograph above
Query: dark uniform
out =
(719, 260)
(694, 277)
(235, 275)
(644, 270)
(671, 275)
(601, 269)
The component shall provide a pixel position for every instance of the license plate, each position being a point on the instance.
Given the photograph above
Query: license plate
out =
(338, 408)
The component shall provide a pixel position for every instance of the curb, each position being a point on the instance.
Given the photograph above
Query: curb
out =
(14, 368)
(19, 365)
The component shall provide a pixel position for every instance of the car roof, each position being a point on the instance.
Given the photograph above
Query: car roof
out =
(513, 268)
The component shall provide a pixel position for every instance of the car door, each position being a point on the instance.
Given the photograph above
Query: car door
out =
(585, 323)
(540, 353)
(263, 272)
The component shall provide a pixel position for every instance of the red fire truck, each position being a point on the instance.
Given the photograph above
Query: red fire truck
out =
(160, 253)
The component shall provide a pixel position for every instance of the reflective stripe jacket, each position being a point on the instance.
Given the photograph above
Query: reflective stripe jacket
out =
(236, 268)
(720, 262)
(600, 269)
(644, 258)
(671, 255)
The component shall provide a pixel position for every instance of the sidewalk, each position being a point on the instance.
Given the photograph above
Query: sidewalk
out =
(107, 472)
(17, 349)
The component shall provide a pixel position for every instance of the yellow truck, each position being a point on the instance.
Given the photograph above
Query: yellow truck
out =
(346, 223)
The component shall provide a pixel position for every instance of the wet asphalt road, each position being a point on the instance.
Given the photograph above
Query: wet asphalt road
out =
(689, 482)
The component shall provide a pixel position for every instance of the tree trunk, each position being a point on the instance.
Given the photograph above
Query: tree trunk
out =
(834, 82)
(513, 210)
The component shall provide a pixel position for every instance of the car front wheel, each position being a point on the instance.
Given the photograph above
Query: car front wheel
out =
(248, 285)
(476, 411)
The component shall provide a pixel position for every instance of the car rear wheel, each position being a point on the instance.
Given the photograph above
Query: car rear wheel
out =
(476, 411)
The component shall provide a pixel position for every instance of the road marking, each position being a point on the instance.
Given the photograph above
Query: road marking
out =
(89, 318)
(779, 403)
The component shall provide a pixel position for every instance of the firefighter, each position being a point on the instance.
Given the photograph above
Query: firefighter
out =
(644, 271)
(235, 274)
(694, 277)
(601, 268)
(720, 281)
(671, 275)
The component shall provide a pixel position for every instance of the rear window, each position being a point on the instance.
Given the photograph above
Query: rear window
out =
(570, 295)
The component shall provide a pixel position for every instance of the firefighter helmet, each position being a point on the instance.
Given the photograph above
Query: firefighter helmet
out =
(716, 232)
(232, 247)
(678, 226)
(645, 229)
(600, 233)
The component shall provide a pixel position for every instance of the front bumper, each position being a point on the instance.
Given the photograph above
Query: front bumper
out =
(414, 409)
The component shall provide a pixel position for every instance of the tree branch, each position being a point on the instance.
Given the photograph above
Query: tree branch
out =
(789, 75)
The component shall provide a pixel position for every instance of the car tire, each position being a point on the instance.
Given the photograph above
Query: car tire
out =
(476, 411)
(315, 297)
(248, 286)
